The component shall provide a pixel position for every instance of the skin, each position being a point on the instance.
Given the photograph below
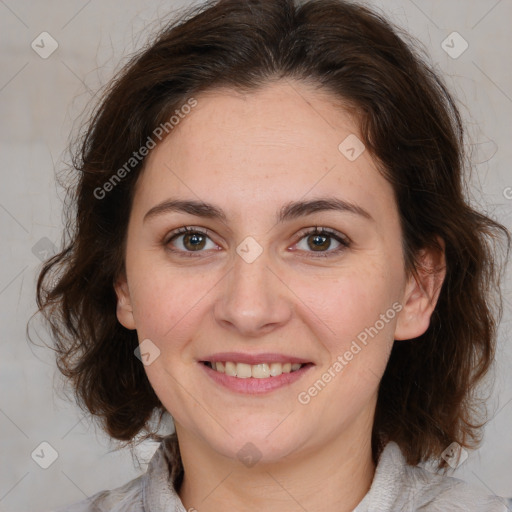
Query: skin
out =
(249, 155)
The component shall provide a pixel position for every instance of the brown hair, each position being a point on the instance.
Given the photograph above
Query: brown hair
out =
(410, 124)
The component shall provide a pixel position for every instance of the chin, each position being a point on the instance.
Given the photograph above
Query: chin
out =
(253, 446)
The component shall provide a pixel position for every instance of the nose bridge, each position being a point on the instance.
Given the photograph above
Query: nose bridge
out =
(252, 297)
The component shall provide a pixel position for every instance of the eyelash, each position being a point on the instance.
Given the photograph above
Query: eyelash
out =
(343, 240)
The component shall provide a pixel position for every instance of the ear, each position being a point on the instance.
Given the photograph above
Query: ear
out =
(421, 293)
(124, 308)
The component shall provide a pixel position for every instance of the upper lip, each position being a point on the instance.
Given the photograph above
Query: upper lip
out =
(240, 357)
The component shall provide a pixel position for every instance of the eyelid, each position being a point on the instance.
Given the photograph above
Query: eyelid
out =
(176, 233)
(344, 240)
(320, 230)
(184, 230)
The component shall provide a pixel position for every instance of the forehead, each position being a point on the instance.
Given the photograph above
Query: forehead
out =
(277, 122)
(268, 146)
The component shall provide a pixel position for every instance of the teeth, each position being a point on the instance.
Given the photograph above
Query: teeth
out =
(260, 371)
(229, 369)
(243, 371)
(257, 371)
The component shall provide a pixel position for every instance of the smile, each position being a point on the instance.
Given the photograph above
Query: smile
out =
(254, 379)
(257, 371)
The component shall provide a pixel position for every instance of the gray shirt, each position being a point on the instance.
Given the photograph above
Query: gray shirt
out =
(396, 487)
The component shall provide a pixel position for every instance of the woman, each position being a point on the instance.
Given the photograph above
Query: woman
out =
(273, 245)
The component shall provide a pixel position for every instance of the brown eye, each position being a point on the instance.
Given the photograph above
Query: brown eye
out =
(194, 241)
(320, 240)
(187, 240)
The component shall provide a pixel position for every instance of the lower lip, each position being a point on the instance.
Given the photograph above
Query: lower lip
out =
(255, 386)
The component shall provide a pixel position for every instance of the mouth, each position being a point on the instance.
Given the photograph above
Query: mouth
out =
(255, 371)
(254, 379)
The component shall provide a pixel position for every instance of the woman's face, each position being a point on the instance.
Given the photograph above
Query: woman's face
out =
(259, 284)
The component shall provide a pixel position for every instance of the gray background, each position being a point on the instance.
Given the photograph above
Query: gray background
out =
(40, 104)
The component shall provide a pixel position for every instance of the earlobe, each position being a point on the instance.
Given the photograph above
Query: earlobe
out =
(124, 309)
(421, 294)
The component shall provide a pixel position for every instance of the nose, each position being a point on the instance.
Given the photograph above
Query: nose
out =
(252, 299)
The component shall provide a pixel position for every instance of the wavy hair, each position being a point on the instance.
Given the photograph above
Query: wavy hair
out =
(408, 121)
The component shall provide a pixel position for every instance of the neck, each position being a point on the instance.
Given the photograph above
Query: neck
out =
(342, 469)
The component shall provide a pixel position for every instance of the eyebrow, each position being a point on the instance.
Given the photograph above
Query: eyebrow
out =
(290, 211)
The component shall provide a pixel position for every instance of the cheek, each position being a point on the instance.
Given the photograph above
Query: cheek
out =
(169, 302)
(350, 304)
(358, 341)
